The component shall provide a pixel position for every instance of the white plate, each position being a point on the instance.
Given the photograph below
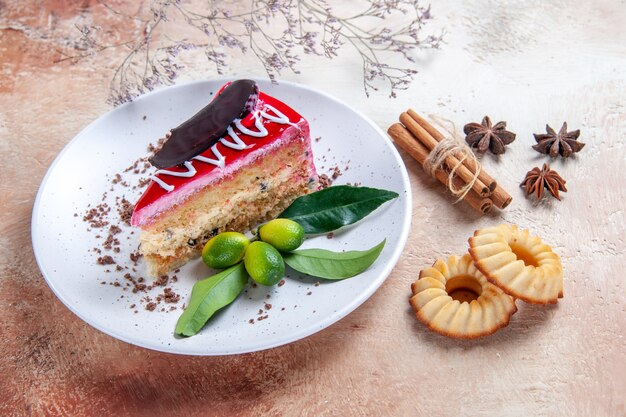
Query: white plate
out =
(83, 170)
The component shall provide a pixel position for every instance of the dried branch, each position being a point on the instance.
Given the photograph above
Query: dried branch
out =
(310, 27)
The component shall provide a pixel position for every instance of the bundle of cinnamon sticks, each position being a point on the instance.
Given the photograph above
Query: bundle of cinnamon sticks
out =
(418, 138)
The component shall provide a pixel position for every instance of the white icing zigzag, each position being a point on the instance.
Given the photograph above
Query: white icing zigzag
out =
(191, 171)
(220, 161)
(237, 144)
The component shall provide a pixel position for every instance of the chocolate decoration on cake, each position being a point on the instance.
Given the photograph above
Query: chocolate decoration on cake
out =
(206, 127)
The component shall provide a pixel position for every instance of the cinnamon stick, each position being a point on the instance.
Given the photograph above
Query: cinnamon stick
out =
(451, 161)
(404, 139)
(438, 136)
(501, 198)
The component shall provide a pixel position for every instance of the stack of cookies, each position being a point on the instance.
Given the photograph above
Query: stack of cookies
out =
(474, 295)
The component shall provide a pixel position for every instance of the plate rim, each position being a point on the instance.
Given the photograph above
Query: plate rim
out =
(326, 322)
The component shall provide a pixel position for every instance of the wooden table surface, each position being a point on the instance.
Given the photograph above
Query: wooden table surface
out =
(527, 62)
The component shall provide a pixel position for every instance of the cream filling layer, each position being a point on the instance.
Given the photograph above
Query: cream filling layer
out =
(165, 241)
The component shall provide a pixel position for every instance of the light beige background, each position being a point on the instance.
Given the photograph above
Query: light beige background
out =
(526, 62)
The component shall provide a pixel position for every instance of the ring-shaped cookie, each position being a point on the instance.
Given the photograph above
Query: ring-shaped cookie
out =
(521, 264)
(454, 299)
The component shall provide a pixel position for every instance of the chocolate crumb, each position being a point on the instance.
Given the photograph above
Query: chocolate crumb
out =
(330, 235)
(170, 296)
(324, 182)
(281, 283)
(251, 321)
(125, 211)
(153, 149)
(161, 281)
(110, 242)
(106, 260)
(134, 256)
(96, 216)
(143, 182)
(268, 306)
(309, 293)
(139, 287)
(151, 306)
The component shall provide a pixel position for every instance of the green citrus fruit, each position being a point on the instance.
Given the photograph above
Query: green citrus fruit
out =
(264, 263)
(284, 234)
(224, 250)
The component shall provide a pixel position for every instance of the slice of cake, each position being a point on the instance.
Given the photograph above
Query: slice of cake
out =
(251, 165)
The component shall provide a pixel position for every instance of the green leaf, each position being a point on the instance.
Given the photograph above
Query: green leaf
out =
(208, 296)
(329, 209)
(332, 265)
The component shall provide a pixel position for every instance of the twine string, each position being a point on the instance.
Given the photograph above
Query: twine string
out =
(451, 145)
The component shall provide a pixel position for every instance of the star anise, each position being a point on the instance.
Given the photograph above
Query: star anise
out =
(538, 179)
(553, 144)
(485, 136)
